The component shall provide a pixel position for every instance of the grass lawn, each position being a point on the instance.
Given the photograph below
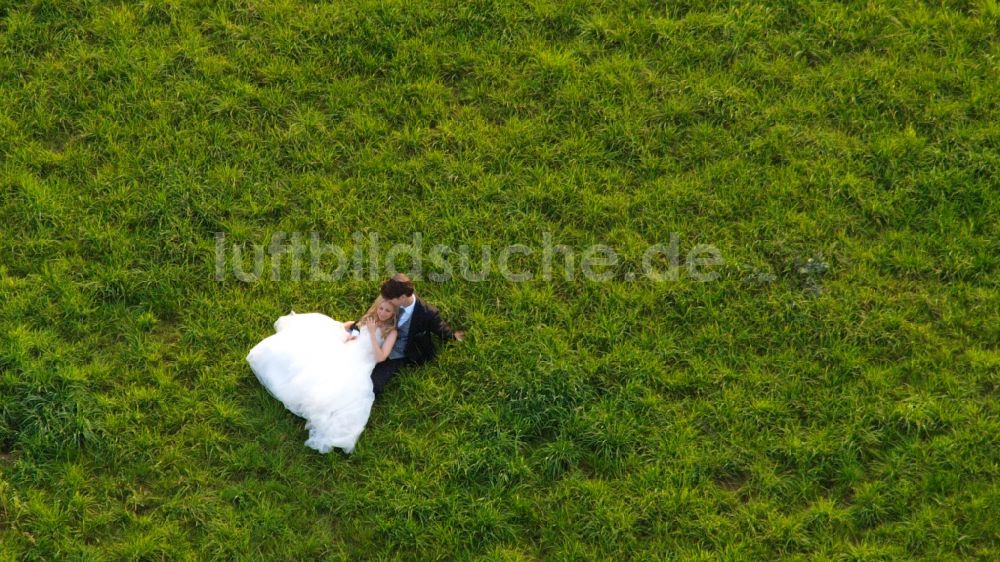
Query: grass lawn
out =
(842, 408)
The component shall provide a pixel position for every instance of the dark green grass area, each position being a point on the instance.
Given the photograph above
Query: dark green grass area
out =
(781, 411)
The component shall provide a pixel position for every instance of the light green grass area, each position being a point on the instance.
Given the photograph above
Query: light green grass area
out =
(776, 412)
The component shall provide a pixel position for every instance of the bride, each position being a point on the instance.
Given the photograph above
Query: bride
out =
(323, 374)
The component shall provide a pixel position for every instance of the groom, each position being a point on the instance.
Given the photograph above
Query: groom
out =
(415, 324)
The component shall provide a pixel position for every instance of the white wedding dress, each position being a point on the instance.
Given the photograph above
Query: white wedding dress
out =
(319, 376)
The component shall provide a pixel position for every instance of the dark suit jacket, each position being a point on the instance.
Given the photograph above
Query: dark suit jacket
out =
(425, 322)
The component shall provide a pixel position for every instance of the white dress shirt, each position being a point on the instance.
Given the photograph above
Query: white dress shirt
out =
(406, 311)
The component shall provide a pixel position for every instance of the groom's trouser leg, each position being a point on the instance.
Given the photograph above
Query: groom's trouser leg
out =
(383, 373)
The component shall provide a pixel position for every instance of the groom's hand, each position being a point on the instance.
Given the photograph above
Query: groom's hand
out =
(460, 335)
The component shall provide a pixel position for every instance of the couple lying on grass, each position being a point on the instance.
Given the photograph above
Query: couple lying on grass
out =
(330, 372)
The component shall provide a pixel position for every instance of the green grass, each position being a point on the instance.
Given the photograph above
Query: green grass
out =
(768, 414)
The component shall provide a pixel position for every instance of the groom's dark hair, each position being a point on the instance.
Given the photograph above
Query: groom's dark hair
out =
(397, 286)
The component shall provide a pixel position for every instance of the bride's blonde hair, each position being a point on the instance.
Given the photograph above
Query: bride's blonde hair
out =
(389, 325)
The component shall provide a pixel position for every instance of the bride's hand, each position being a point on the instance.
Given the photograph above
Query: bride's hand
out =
(370, 322)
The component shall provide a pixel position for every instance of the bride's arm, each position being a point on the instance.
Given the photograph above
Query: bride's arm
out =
(381, 353)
